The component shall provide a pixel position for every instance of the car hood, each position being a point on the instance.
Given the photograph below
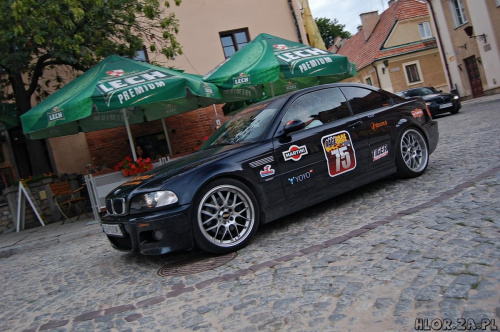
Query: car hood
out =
(156, 178)
(437, 96)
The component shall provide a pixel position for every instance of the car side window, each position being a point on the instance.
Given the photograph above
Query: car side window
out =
(318, 107)
(363, 100)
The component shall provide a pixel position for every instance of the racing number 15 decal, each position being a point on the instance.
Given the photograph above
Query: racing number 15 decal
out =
(339, 153)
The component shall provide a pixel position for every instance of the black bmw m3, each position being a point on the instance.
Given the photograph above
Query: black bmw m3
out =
(271, 159)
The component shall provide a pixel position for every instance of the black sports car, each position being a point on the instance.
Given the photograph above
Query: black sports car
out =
(273, 158)
(438, 101)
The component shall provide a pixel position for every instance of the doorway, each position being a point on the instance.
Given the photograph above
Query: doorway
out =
(474, 76)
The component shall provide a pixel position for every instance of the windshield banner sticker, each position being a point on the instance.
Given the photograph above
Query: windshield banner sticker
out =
(295, 152)
(339, 153)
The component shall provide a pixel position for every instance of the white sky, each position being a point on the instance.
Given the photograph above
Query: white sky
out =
(346, 11)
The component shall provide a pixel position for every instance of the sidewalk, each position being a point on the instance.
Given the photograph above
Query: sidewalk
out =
(483, 99)
(33, 238)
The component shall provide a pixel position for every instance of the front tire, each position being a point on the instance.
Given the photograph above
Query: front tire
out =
(412, 155)
(226, 216)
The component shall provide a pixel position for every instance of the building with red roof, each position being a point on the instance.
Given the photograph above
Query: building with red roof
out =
(397, 49)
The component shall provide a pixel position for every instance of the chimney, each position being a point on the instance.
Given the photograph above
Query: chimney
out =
(369, 21)
(391, 2)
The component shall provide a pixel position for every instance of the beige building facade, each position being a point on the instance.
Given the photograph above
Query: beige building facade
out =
(397, 49)
(209, 32)
(470, 32)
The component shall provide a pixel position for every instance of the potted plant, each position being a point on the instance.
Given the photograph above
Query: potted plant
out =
(130, 167)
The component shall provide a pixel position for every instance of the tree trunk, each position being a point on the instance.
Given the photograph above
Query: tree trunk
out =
(32, 156)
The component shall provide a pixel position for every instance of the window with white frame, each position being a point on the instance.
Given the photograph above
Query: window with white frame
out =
(413, 73)
(458, 10)
(425, 30)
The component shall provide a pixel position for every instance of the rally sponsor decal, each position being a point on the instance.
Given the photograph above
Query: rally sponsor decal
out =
(295, 152)
(241, 79)
(299, 178)
(417, 113)
(339, 152)
(267, 171)
(376, 125)
(55, 114)
(131, 86)
(380, 152)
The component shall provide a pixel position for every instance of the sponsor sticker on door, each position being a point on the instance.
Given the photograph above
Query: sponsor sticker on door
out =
(380, 152)
(339, 153)
(295, 152)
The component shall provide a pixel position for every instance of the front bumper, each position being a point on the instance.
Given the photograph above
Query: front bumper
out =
(436, 108)
(174, 225)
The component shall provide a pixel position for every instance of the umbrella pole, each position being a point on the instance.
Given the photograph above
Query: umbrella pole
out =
(272, 89)
(129, 133)
(166, 135)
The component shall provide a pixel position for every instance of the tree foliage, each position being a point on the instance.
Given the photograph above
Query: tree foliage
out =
(40, 34)
(330, 30)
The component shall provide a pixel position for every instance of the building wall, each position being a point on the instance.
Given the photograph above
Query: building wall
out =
(430, 66)
(185, 132)
(407, 31)
(493, 11)
(200, 24)
(484, 17)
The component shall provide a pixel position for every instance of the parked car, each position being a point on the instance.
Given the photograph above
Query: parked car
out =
(438, 101)
(270, 160)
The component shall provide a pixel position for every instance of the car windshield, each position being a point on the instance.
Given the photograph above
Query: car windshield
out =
(419, 92)
(249, 125)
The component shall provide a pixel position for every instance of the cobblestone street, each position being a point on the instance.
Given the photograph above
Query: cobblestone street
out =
(391, 256)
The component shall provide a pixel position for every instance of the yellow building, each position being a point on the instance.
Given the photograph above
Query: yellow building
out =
(397, 49)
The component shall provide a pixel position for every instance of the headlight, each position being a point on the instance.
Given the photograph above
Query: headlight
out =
(428, 103)
(455, 97)
(153, 200)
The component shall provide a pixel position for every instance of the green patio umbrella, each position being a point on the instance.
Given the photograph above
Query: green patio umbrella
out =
(132, 91)
(280, 66)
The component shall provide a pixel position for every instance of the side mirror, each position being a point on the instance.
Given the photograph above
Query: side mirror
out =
(293, 126)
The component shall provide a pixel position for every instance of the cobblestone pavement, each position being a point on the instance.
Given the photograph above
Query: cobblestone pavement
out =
(379, 258)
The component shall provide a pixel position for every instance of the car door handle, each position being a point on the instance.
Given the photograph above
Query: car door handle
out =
(355, 124)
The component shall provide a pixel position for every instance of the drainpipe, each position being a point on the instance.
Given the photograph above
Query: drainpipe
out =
(378, 77)
(295, 21)
(441, 48)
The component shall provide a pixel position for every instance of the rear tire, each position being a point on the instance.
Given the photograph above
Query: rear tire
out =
(412, 155)
(226, 216)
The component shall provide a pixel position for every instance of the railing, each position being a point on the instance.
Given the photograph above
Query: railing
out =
(101, 185)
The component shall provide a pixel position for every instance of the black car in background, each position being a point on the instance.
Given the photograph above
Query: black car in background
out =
(438, 101)
(270, 160)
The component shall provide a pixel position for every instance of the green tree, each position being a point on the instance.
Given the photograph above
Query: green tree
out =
(41, 38)
(330, 30)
